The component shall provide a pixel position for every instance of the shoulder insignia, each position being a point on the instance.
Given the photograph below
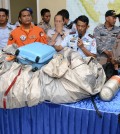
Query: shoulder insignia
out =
(12, 23)
(90, 35)
(41, 34)
(40, 23)
(72, 33)
(10, 37)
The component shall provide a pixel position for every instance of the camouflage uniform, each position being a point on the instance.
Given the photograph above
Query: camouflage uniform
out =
(44, 26)
(105, 39)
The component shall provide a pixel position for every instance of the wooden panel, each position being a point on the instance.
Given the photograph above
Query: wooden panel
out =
(17, 5)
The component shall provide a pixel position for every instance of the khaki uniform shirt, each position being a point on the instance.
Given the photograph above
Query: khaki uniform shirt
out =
(44, 26)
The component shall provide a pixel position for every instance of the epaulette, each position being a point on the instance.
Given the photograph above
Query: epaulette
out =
(70, 25)
(40, 23)
(90, 35)
(12, 23)
(72, 33)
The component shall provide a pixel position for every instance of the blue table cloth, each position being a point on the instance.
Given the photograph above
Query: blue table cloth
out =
(75, 118)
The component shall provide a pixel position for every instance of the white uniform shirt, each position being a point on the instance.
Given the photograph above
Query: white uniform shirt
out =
(4, 34)
(73, 29)
(59, 39)
(88, 41)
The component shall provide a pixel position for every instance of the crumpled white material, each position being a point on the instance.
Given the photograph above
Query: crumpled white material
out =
(66, 78)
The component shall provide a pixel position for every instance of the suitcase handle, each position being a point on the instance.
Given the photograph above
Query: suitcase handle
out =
(37, 59)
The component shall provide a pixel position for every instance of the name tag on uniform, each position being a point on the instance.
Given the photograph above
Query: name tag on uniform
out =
(32, 37)
(73, 39)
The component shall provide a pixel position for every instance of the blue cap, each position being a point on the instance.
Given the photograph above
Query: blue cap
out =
(29, 9)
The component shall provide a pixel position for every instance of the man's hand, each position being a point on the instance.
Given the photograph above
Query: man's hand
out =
(59, 29)
(109, 55)
(80, 43)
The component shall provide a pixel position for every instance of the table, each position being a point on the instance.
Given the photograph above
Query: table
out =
(74, 118)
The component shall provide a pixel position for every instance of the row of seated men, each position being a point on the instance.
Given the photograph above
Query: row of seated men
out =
(66, 33)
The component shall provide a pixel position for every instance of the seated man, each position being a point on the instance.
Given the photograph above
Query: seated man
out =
(81, 41)
(67, 22)
(45, 22)
(5, 27)
(105, 35)
(26, 33)
(57, 34)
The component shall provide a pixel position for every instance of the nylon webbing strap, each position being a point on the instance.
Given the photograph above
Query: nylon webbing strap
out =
(95, 106)
(7, 91)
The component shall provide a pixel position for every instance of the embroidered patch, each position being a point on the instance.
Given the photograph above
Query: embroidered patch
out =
(23, 37)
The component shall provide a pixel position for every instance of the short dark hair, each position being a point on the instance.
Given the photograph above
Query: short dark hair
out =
(82, 18)
(43, 11)
(59, 15)
(25, 9)
(6, 11)
(64, 13)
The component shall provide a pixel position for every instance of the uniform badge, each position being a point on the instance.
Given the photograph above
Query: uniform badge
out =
(72, 33)
(73, 39)
(10, 37)
(41, 34)
(23, 37)
(91, 36)
(94, 43)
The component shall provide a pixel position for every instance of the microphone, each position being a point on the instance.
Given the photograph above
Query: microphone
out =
(80, 35)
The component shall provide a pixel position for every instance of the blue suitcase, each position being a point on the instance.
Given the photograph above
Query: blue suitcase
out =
(35, 54)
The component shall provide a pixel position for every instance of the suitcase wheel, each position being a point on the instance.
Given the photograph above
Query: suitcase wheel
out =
(34, 69)
(17, 52)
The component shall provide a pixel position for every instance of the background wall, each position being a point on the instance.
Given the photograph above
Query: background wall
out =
(53, 5)
(17, 5)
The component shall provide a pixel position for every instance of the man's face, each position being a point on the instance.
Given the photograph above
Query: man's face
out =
(58, 21)
(81, 27)
(111, 20)
(46, 17)
(25, 18)
(3, 18)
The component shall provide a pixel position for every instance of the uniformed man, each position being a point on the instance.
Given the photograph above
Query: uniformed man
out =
(5, 27)
(105, 35)
(67, 22)
(45, 22)
(58, 33)
(26, 33)
(81, 41)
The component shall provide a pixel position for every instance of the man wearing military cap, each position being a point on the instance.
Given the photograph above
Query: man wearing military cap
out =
(105, 35)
